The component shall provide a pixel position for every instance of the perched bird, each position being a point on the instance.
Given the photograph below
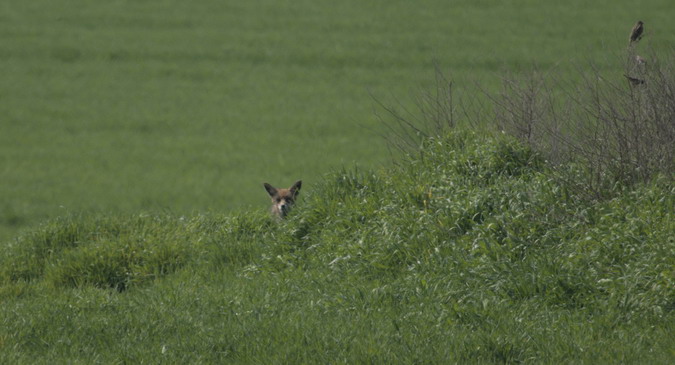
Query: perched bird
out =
(636, 32)
(634, 81)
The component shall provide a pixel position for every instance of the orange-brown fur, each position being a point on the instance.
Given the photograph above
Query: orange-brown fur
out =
(283, 199)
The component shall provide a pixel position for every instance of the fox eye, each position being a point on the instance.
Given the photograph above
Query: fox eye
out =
(278, 200)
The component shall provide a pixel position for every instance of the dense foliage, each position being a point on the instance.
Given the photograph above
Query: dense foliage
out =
(468, 251)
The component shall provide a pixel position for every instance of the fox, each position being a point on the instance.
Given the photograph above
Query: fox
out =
(282, 199)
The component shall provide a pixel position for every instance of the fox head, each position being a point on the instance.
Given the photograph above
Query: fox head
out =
(283, 199)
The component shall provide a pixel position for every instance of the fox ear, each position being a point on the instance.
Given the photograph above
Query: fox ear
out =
(295, 189)
(271, 190)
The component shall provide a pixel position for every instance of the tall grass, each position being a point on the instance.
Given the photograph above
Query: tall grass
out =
(467, 252)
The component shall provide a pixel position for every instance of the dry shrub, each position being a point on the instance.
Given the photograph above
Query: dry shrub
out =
(620, 130)
(604, 131)
(434, 114)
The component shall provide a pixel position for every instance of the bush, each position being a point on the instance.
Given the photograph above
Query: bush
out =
(619, 129)
(104, 252)
(599, 134)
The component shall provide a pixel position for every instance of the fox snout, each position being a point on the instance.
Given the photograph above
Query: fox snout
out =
(284, 207)
(283, 199)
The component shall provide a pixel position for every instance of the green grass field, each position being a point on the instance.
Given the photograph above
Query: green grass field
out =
(135, 106)
(135, 137)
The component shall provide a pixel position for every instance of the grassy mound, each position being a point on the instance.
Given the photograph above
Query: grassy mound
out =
(469, 251)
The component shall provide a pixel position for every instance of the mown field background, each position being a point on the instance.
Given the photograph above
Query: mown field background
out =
(135, 137)
(171, 106)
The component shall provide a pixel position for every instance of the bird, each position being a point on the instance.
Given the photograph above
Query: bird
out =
(636, 32)
(634, 81)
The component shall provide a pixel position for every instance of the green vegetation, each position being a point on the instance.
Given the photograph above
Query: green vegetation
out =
(128, 106)
(468, 251)
(135, 134)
